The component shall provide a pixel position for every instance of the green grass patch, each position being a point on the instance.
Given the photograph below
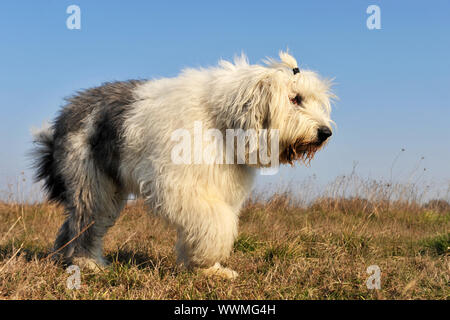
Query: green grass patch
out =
(437, 245)
(246, 244)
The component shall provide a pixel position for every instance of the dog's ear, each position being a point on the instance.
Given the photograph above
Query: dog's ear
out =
(248, 100)
(250, 109)
(255, 111)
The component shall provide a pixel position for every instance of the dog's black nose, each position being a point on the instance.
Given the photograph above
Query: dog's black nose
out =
(323, 133)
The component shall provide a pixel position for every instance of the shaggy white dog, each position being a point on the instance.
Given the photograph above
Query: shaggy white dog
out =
(118, 139)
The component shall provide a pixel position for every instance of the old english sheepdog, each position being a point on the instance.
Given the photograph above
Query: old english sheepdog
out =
(118, 139)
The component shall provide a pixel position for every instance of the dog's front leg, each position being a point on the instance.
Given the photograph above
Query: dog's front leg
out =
(206, 237)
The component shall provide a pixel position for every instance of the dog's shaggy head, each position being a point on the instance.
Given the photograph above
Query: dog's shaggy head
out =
(276, 95)
(303, 115)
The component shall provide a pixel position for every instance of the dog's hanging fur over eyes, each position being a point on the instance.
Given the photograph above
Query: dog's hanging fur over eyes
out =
(115, 140)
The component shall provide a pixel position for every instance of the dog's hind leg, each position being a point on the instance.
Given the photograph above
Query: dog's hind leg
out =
(93, 202)
(93, 210)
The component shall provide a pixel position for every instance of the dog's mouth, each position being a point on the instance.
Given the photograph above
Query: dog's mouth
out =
(300, 151)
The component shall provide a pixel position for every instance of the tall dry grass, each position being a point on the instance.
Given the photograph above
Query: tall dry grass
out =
(299, 243)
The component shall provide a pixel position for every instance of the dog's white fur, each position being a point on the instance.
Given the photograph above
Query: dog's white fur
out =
(202, 201)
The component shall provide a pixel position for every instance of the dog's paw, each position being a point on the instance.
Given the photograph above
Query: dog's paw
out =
(219, 271)
(89, 264)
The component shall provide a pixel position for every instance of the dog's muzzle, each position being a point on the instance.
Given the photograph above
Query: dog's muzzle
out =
(305, 151)
(323, 133)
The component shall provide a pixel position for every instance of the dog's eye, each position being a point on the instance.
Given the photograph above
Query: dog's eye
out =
(297, 100)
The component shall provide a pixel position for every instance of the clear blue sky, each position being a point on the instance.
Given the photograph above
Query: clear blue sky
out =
(393, 83)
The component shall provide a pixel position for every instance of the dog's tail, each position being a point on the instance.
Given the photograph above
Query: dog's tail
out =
(45, 164)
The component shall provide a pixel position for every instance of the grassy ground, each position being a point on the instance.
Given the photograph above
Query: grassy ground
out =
(284, 251)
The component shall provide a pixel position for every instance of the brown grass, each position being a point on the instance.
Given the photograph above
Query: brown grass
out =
(285, 250)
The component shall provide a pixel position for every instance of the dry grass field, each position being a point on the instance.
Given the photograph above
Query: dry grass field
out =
(286, 249)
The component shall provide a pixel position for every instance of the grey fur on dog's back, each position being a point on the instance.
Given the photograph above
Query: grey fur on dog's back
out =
(109, 102)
